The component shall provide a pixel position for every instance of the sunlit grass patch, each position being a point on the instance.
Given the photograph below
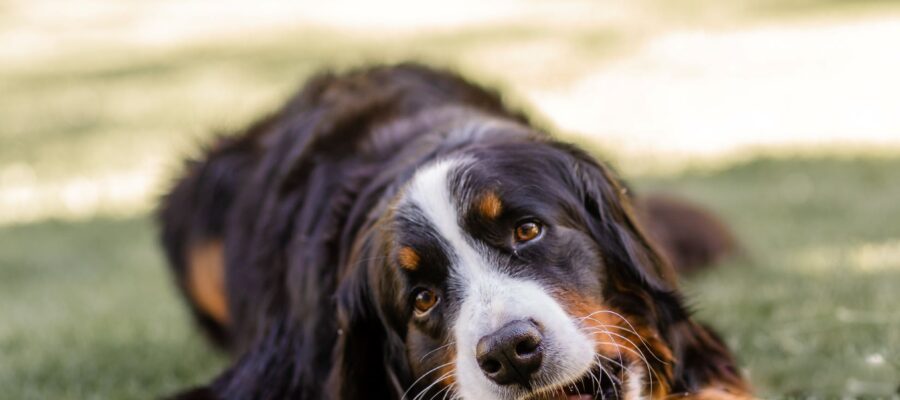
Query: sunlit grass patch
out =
(867, 257)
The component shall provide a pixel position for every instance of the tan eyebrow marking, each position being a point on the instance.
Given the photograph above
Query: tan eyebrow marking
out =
(489, 205)
(408, 258)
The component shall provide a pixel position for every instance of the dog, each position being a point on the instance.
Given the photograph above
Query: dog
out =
(398, 232)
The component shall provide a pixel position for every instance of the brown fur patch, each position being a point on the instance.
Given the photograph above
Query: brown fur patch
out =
(408, 258)
(206, 279)
(448, 371)
(489, 205)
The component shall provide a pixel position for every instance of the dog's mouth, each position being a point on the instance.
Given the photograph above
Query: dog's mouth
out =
(596, 384)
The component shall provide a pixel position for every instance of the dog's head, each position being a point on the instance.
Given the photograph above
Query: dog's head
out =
(510, 270)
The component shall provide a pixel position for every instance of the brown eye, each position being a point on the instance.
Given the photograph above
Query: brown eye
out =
(425, 300)
(527, 231)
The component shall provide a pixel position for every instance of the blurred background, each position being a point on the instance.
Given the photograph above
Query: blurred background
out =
(781, 115)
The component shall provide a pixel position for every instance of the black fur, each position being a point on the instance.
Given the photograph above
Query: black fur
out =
(302, 203)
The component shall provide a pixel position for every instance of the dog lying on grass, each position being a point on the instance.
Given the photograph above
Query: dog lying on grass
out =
(397, 232)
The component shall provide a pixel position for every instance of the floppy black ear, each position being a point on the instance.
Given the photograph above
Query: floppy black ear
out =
(612, 222)
(700, 360)
(369, 358)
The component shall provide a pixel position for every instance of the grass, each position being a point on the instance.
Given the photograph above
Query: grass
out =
(88, 313)
(811, 308)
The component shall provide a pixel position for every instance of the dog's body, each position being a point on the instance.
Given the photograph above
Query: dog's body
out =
(397, 232)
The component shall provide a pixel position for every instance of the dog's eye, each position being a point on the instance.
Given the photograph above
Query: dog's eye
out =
(527, 231)
(425, 300)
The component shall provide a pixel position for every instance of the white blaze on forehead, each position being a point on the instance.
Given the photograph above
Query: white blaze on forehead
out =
(490, 298)
(430, 192)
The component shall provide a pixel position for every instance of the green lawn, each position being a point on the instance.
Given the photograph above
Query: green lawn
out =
(812, 307)
(87, 310)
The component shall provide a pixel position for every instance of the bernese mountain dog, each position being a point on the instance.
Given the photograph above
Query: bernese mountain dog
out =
(397, 232)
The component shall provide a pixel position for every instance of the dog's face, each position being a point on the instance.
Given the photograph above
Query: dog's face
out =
(504, 269)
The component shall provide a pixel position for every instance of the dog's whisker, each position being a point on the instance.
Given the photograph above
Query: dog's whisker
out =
(610, 360)
(641, 338)
(616, 380)
(412, 385)
(607, 332)
(450, 388)
(640, 355)
(619, 352)
(597, 381)
(630, 326)
(451, 343)
(617, 347)
(614, 362)
(423, 392)
(444, 390)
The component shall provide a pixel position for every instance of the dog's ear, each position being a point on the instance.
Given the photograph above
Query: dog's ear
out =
(612, 223)
(369, 358)
(697, 360)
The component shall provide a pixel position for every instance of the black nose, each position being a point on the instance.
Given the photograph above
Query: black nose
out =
(511, 354)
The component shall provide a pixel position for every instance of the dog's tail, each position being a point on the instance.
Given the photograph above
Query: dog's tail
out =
(689, 235)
